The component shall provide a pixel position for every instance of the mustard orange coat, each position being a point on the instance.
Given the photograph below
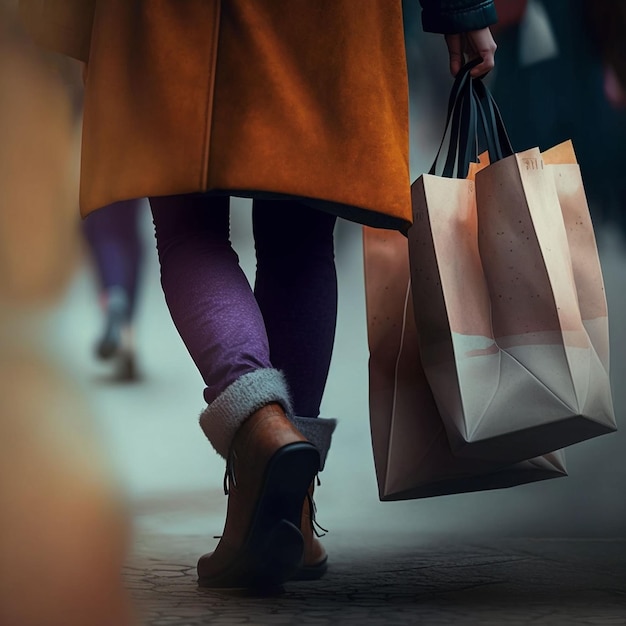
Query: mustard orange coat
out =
(245, 97)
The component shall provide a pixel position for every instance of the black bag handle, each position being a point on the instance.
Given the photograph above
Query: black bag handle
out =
(492, 125)
(460, 123)
(471, 109)
(468, 136)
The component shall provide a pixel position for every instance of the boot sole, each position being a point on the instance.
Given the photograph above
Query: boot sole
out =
(273, 550)
(311, 572)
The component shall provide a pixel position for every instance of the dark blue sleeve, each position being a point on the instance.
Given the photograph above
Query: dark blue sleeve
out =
(457, 16)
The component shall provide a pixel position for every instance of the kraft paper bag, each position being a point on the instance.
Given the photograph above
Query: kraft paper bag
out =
(561, 162)
(412, 455)
(510, 307)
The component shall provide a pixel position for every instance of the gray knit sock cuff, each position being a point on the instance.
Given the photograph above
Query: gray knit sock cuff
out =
(319, 432)
(249, 393)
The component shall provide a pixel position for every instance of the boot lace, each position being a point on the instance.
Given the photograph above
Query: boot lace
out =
(315, 525)
(229, 474)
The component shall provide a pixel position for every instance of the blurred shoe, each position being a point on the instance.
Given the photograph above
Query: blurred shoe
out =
(126, 367)
(117, 312)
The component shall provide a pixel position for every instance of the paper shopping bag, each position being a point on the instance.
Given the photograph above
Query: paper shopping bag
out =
(412, 455)
(561, 162)
(514, 369)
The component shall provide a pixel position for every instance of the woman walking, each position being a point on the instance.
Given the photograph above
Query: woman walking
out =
(302, 107)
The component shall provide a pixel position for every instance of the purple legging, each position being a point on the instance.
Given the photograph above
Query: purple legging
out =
(287, 323)
(112, 233)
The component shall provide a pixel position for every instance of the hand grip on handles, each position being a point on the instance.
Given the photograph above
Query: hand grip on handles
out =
(470, 105)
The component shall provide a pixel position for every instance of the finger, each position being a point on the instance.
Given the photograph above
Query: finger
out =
(455, 51)
(487, 64)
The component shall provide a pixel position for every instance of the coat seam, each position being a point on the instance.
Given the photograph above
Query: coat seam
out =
(204, 173)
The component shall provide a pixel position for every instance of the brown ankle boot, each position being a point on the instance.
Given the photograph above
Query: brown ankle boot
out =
(269, 469)
(315, 560)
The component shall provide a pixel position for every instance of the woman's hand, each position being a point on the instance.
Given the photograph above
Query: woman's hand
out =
(475, 44)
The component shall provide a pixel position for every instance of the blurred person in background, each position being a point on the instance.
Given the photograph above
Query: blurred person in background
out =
(303, 108)
(115, 249)
(64, 528)
(550, 86)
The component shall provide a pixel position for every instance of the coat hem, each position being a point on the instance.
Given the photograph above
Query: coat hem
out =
(360, 215)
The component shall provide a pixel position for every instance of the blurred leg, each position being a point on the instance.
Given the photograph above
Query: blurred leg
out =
(116, 248)
(115, 244)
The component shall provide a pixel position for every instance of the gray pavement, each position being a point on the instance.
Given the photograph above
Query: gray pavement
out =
(418, 580)
(547, 553)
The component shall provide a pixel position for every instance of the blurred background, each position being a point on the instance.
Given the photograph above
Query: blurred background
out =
(106, 384)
